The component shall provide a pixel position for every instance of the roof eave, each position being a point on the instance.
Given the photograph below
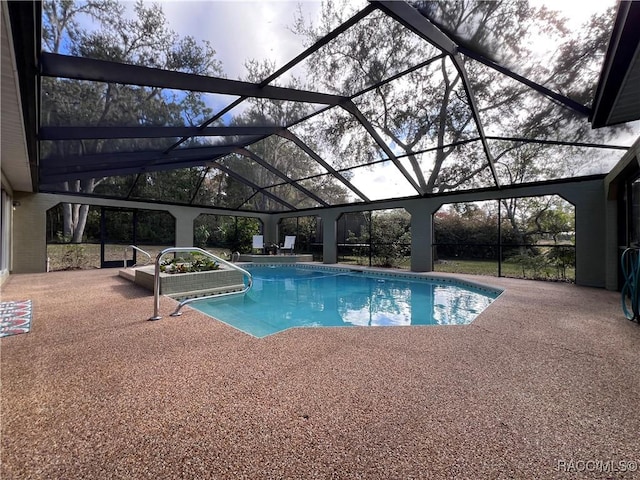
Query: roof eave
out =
(621, 63)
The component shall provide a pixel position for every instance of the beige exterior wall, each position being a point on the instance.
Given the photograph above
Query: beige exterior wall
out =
(29, 232)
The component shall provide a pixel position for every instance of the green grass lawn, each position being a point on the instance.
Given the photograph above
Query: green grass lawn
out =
(404, 263)
(509, 269)
(87, 255)
(477, 267)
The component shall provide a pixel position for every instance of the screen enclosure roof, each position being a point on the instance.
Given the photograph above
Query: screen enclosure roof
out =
(285, 106)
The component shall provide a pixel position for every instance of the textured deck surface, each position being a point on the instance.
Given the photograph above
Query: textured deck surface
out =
(547, 375)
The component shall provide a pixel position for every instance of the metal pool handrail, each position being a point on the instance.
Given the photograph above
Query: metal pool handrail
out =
(139, 250)
(156, 280)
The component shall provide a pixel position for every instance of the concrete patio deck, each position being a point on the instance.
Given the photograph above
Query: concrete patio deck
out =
(548, 375)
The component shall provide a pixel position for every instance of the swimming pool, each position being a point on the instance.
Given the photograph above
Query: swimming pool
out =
(284, 297)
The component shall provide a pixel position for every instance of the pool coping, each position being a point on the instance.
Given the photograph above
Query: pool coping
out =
(388, 273)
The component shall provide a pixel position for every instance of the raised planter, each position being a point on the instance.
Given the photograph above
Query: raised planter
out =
(193, 284)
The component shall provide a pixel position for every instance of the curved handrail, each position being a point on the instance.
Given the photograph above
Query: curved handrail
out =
(156, 279)
(139, 250)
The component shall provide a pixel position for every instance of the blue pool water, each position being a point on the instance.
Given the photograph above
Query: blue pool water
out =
(284, 297)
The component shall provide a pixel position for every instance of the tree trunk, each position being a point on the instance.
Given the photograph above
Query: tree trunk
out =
(81, 222)
(67, 220)
(441, 155)
(74, 214)
(511, 216)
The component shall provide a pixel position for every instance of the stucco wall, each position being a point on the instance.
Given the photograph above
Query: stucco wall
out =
(29, 232)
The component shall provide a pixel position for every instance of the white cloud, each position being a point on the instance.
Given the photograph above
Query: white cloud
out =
(576, 11)
(241, 30)
(382, 181)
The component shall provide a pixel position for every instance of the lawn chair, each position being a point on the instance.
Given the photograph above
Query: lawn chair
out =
(289, 243)
(258, 243)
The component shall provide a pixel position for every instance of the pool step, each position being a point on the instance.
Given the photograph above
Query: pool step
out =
(209, 291)
(128, 274)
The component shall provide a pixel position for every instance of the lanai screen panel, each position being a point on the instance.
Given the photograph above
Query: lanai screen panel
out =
(218, 104)
(176, 185)
(319, 104)
(510, 109)
(266, 202)
(422, 108)
(294, 196)
(250, 169)
(269, 112)
(114, 186)
(549, 42)
(462, 166)
(373, 50)
(67, 156)
(331, 190)
(287, 157)
(338, 138)
(96, 159)
(217, 140)
(522, 162)
(381, 181)
(219, 189)
(85, 103)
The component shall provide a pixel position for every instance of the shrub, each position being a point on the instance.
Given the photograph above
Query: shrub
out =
(188, 264)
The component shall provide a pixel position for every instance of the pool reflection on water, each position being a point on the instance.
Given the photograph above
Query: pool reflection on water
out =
(285, 297)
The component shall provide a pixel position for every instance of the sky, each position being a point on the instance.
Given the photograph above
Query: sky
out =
(243, 29)
(576, 11)
(240, 30)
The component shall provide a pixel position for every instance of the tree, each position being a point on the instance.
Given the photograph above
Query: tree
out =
(304, 228)
(390, 236)
(550, 219)
(144, 39)
(467, 230)
(384, 236)
(226, 231)
(530, 220)
(280, 153)
(429, 107)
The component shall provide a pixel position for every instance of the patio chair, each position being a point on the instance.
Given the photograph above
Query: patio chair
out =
(258, 243)
(289, 243)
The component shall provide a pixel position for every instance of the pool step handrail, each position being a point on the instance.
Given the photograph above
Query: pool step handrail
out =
(156, 279)
(133, 247)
